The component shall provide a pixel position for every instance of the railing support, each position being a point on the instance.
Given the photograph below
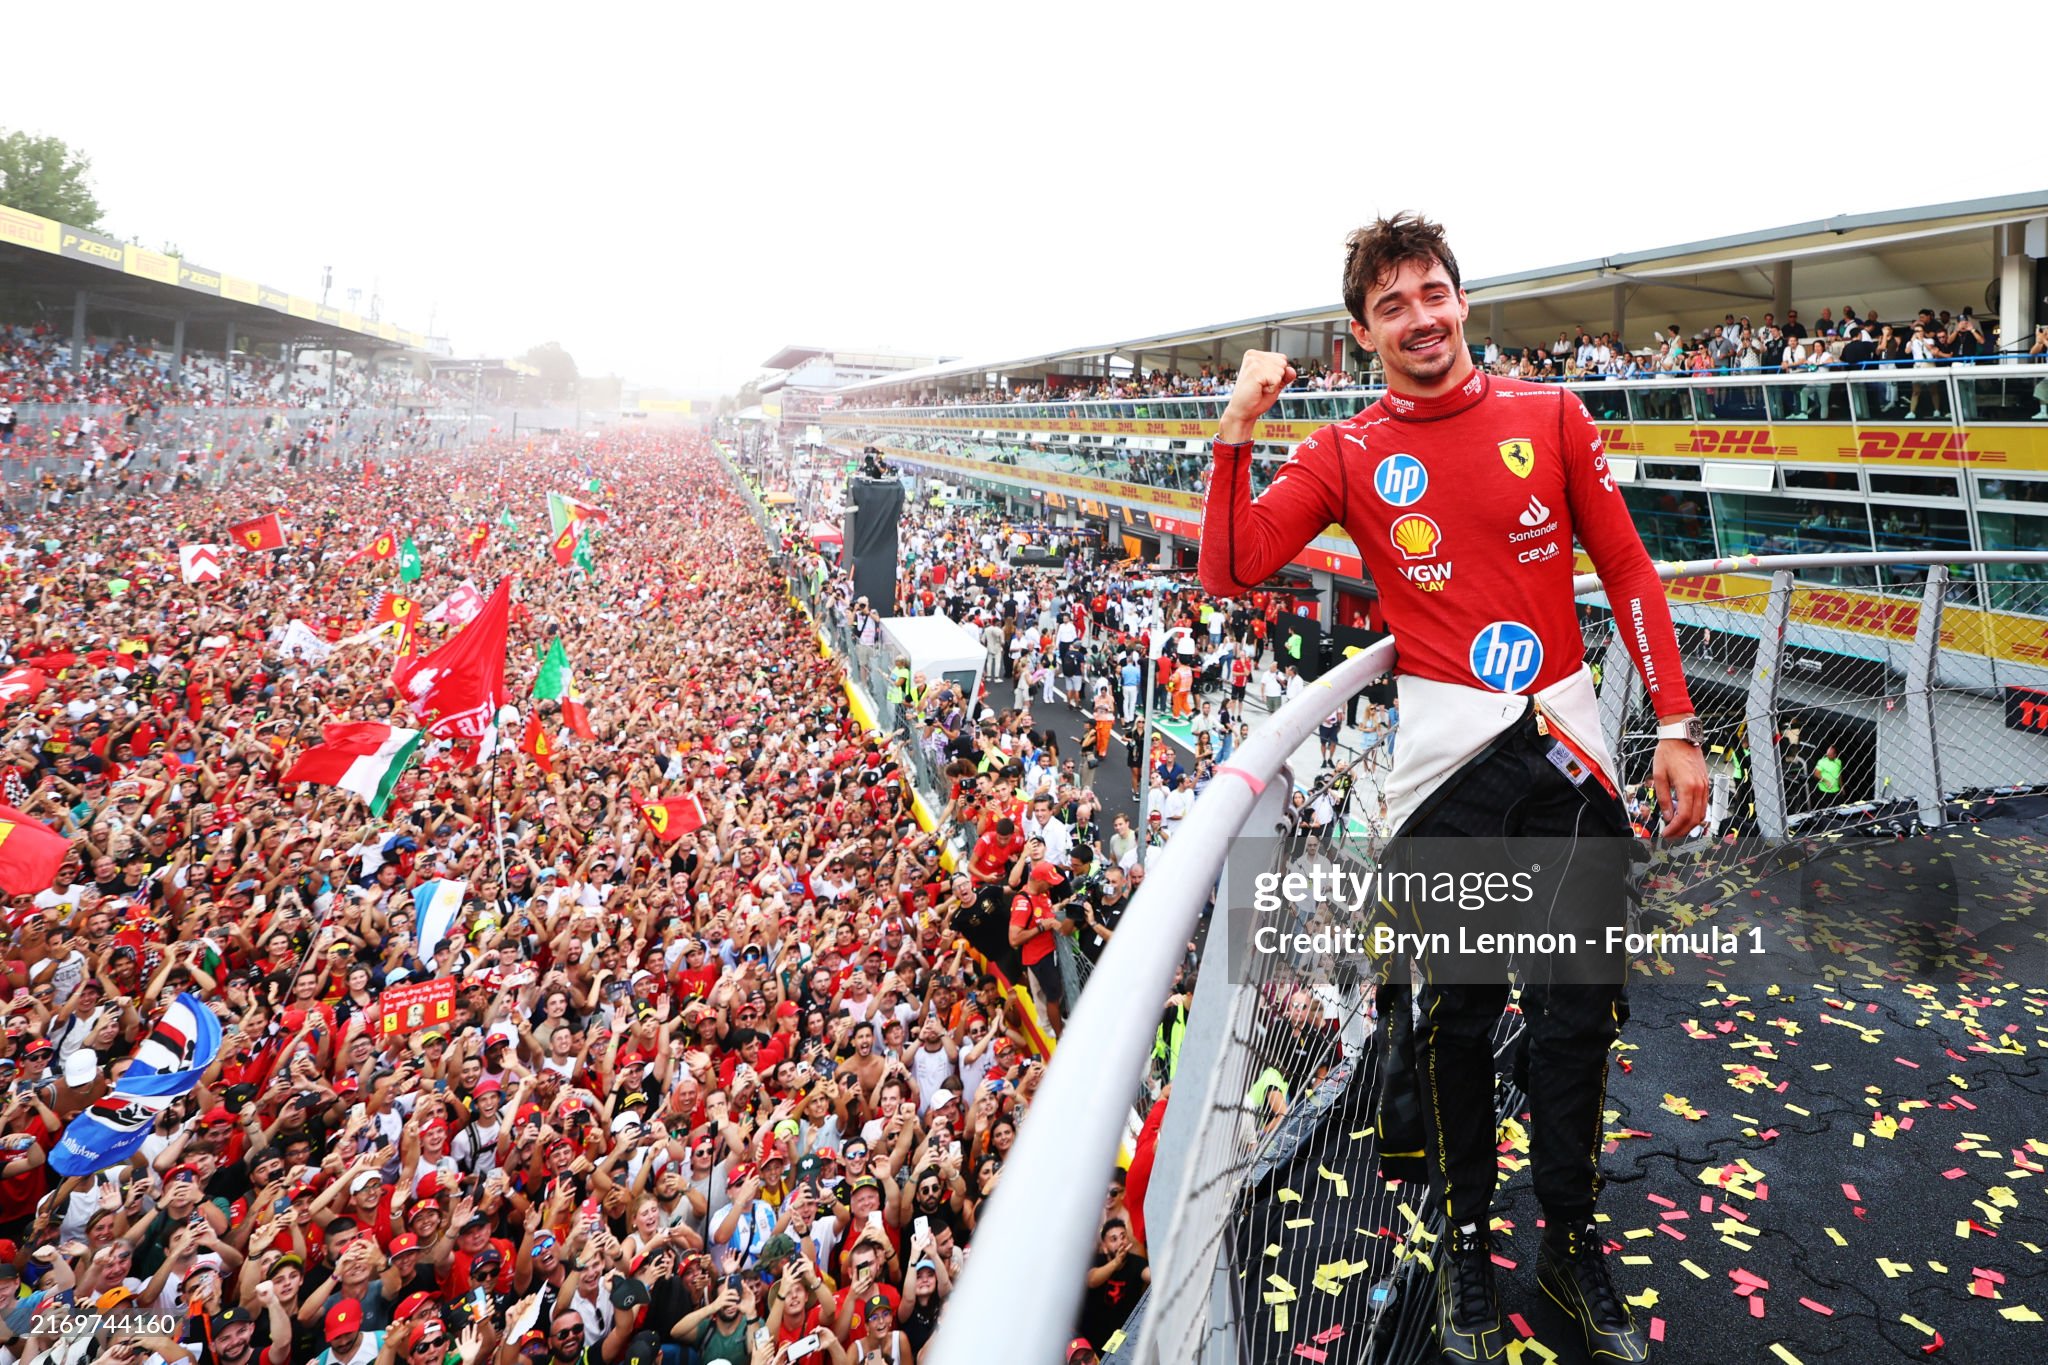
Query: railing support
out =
(1767, 772)
(1924, 753)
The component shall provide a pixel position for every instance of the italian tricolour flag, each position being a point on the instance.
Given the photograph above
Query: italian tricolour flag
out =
(557, 682)
(360, 757)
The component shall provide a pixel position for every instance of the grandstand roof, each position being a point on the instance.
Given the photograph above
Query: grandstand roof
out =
(1895, 262)
(47, 262)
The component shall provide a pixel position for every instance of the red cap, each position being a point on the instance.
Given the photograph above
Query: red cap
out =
(487, 1086)
(171, 1176)
(409, 1305)
(9, 1250)
(1047, 873)
(787, 1010)
(436, 1122)
(345, 1317)
(428, 1188)
(526, 1111)
(217, 1114)
(403, 1243)
(1078, 1344)
(426, 1330)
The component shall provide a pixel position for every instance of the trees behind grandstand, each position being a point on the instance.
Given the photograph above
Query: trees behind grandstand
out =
(557, 369)
(46, 175)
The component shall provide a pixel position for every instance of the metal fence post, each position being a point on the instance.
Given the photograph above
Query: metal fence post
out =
(1767, 774)
(1183, 1223)
(1924, 753)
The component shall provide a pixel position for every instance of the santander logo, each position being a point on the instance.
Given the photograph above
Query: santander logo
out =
(1536, 513)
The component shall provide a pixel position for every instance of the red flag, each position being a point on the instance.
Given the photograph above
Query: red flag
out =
(30, 853)
(258, 533)
(672, 817)
(382, 548)
(478, 536)
(536, 743)
(21, 684)
(564, 546)
(458, 688)
(52, 663)
(395, 607)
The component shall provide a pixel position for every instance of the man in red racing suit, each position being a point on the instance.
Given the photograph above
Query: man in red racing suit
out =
(1464, 494)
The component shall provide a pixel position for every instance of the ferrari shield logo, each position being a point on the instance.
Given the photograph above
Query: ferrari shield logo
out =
(1519, 455)
(657, 815)
(253, 537)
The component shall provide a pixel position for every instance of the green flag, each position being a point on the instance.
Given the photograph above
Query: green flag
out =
(582, 556)
(408, 561)
(595, 487)
(505, 520)
(552, 682)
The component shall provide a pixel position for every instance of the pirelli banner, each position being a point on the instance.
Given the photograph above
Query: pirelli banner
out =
(34, 232)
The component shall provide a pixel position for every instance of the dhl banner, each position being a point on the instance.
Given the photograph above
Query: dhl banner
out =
(1916, 447)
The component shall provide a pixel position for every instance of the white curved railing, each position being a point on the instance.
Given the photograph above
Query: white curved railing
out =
(1034, 1242)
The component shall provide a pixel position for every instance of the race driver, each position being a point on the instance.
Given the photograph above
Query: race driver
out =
(1464, 494)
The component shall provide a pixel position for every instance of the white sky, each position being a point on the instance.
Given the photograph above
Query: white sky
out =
(673, 192)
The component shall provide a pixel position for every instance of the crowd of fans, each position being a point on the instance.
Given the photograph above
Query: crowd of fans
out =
(739, 1096)
(37, 366)
(1932, 338)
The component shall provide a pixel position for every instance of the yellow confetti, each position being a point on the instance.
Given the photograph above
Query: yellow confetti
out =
(1916, 1324)
(1837, 1238)
(1343, 1185)
(1299, 1223)
(1637, 1260)
(1634, 1233)
(1272, 1248)
(1646, 1299)
(1937, 1267)
(1115, 1342)
(1697, 1272)
(1803, 1113)
(1963, 1228)
(1290, 1196)
(1280, 1286)
(1781, 1353)
(2019, 1312)
(1280, 1318)
(1892, 1269)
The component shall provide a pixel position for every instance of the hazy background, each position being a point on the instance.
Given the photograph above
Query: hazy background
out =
(672, 195)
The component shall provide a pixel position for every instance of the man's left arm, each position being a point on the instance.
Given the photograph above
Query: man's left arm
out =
(1601, 522)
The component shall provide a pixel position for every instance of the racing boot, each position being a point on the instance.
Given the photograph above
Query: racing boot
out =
(1572, 1269)
(1467, 1305)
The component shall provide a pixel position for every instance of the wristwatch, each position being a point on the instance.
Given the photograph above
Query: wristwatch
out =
(1688, 730)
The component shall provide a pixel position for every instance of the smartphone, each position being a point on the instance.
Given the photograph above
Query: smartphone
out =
(922, 1228)
(875, 1221)
(803, 1346)
(283, 1204)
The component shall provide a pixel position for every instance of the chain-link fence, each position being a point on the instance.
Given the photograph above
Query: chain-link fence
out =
(1830, 714)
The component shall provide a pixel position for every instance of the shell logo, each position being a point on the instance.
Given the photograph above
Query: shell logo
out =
(1415, 536)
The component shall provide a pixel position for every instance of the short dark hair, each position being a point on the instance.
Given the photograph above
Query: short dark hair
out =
(1374, 252)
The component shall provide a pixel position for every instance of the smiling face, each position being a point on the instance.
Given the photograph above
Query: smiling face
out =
(1415, 322)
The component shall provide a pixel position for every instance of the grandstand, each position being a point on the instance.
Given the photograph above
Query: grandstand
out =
(1853, 550)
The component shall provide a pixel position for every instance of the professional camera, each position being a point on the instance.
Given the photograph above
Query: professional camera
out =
(871, 464)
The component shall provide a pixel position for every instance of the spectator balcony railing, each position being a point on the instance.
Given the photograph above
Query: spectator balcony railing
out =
(1945, 740)
(1996, 390)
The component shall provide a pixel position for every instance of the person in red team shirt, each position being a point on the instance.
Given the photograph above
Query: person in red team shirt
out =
(1464, 494)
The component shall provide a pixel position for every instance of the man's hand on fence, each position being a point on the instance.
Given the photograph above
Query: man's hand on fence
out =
(1679, 775)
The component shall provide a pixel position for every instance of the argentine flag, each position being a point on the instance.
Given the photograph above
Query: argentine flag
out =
(434, 905)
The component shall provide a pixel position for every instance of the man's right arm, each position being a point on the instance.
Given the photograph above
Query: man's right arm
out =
(1244, 541)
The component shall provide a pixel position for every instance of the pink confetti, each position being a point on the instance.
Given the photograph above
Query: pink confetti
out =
(1850, 1191)
(1954, 1173)
(1521, 1325)
(1762, 1190)
(1737, 1214)
(1660, 1200)
(1656, 1329)
(1749, 1277)
(1819, 1308)
(1670, 1231)
(1903, 1062)
(1756, 1305)
(1503, 1262)
(1673, 1215)
(1963, 1102)
(1706, 1203)
(1308, 1352)
(1990, 1275)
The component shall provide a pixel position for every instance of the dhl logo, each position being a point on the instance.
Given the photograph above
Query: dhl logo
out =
(1869, 615)
(1729, 441)
(1415, 536)
(1615, 439)
(1943, 447)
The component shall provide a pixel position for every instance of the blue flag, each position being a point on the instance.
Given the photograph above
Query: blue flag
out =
(168, 1063)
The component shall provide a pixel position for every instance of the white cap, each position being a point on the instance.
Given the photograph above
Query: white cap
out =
(356, 1186)
(80, 1068)
(629, 1119)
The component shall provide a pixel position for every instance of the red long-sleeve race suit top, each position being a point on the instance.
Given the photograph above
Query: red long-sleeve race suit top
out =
(1464, 508)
